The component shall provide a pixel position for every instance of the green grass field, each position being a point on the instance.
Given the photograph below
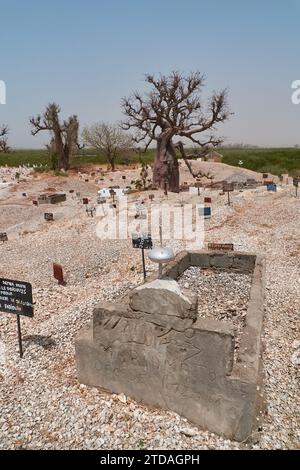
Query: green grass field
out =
(276, 160)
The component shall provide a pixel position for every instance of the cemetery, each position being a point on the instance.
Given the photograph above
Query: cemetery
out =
(207, 356)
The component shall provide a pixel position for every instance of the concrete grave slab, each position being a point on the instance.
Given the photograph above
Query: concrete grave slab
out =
(153, 348)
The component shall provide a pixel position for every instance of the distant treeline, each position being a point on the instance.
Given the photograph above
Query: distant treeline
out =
(265, 160)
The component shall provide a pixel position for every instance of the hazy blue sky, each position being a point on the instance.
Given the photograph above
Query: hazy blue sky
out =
(86, 55)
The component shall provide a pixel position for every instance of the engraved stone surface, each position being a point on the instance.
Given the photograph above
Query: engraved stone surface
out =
(153, 348)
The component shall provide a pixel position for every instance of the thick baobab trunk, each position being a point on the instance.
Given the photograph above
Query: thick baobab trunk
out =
(166, 169)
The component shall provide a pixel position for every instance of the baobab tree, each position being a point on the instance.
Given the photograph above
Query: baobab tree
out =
(64, 135)
(108, 139)
(4, 148)
(174, 108)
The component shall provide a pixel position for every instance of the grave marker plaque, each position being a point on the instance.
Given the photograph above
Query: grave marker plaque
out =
(16, 297)
(85, 201)
(48, 216)
(220, 246)
(205, 212)
(144, 243)
(228, 188)
(3, 237)
(58, 273)
(207, 200)
(272, 187)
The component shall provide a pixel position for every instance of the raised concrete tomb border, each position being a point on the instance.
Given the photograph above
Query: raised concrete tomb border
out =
(153, 347)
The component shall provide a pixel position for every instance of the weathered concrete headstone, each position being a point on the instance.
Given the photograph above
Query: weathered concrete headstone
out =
(153, 347)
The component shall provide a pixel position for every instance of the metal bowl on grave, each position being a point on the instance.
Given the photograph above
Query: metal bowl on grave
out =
(161, 255)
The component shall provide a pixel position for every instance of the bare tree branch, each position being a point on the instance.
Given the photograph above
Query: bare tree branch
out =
(109, 140)
(191, 156)
(4, 148)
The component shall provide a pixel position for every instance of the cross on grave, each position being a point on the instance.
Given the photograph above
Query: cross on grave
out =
(112, 193)
(90, 211)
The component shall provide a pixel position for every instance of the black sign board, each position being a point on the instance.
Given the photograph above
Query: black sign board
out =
(228, 187)
(265, 175)
(16, 297)
(3, 237)
(48, 216)
(85, 200)
(145, 243)
(296, 182)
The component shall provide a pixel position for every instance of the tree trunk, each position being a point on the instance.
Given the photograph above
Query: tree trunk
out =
(166, 169)
(59, 146)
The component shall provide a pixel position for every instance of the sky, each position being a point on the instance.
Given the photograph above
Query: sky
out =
(87, 55)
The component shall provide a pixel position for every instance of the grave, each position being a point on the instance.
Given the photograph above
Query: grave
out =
(51, 198)
(154, 347)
